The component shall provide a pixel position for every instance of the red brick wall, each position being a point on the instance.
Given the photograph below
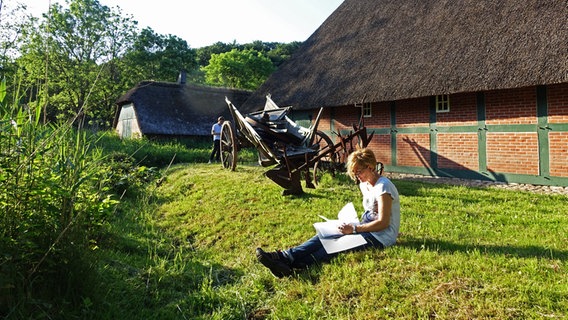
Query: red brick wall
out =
(509, 152)
(346, 117)
(413, 113)
(458, 151)
(381, 146)
(325, 119)
(558, 141)
(413, 150)
(513, 106)
(558, 154)
(463, 111)
(380, 116)
(558, 103)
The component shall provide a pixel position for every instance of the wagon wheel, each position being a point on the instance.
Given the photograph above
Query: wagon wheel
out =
(228, 146)
(326, 163)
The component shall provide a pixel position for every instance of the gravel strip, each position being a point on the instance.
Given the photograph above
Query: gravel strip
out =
(480, 183)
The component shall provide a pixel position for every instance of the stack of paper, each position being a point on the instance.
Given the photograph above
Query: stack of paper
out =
(330, 236)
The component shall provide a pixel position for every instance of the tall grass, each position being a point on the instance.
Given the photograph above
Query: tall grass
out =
(54, 201)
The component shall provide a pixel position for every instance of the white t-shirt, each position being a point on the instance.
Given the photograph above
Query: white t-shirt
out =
(370, 195)
(216, 128)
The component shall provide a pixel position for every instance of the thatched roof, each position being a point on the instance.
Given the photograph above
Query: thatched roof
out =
(164, 108)
(385, 50)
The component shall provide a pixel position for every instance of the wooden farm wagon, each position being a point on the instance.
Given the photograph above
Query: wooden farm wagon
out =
(292, 151)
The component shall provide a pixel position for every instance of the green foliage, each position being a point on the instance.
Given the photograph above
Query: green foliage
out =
(126, 175)
(161, 153)
(183, 246)
(55, 201)
(78, 60)
(76, 49)
(158, 57)
(246, 69)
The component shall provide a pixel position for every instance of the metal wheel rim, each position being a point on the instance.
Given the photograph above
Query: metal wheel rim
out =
(228, 146)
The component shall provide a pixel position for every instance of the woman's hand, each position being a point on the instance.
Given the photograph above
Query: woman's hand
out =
(346, 228)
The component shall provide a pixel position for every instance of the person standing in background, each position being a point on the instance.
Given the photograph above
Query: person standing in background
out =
(216, 133)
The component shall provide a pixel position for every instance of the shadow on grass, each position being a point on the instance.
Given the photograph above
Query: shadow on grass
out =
(505, 250)
(142, 278)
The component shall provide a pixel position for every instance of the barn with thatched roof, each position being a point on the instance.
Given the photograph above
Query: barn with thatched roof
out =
(469, 88)
(166, 109)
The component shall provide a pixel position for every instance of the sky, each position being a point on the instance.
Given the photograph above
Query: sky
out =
(204, 22)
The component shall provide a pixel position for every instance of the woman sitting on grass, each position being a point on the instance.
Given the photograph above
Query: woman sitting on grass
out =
(379, 223)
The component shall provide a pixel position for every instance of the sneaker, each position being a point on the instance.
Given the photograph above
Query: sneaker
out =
(209, 162)
(274, 262)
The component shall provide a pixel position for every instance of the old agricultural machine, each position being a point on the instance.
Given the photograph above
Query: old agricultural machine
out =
(292, 151)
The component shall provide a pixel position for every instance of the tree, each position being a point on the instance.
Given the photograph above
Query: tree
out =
(204, 54)
(244, 69)
(159, 57)
(70, 56)
(282, 52)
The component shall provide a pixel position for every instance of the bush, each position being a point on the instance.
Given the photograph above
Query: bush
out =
(55, 199)
(124, 174)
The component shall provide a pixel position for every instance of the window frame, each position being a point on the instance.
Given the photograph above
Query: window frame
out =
(442, 103)
(367, 110)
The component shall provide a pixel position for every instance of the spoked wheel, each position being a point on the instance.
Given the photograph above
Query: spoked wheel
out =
(228, 146)
(328, 161)
(318, 171)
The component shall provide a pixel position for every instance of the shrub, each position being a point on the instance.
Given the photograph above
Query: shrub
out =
(55, 199)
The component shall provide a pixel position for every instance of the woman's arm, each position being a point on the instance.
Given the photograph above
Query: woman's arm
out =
(384, 207)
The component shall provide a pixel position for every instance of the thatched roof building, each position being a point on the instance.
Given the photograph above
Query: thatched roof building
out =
(175, 109)
(386, 50)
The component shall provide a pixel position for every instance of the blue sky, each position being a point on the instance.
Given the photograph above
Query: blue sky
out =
(204, 22)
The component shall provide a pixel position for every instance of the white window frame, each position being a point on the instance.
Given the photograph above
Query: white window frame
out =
(442, 103)
(367, 110)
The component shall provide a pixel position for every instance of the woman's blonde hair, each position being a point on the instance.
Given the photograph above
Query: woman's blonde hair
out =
(358, 159)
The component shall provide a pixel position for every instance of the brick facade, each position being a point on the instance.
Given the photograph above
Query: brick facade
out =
(458, 151)
(499, 137)
(558, 103)
(463, 111)
(381, 145)
(413, 150)
(412, 113)
(513, 153)
(558, 153)
(514, 106)
(380, 116)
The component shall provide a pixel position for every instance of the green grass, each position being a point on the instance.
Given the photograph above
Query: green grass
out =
(186, 251)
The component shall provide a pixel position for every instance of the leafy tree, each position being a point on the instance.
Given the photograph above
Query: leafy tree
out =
(244, 69)
(282, 52)
(158, 57)
(204, 54)
(11, 19)
(73, 51)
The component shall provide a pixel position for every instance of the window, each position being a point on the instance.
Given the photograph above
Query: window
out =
(367, 110)
(443, 103)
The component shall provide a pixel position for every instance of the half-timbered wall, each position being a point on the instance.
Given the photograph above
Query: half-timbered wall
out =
(517, 135)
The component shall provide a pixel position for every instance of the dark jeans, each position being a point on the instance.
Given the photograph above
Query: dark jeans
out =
(312, 251)
(216, 152)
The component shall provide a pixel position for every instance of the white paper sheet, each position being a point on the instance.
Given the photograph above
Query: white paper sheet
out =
(346, 242)
(330, 236)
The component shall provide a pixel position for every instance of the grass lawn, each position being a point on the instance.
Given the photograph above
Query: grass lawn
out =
(186, 251)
